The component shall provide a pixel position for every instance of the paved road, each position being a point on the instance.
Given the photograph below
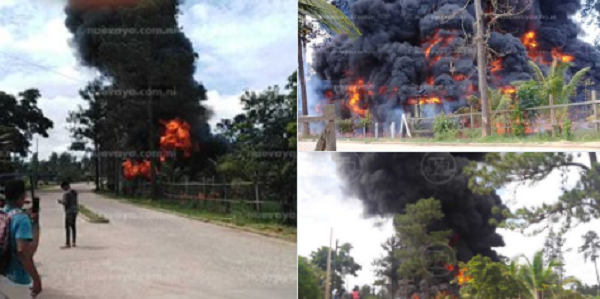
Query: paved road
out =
(344, 146)
(147, 254)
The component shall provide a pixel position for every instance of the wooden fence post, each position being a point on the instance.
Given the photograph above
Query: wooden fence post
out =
(472, 123)
(552, 115)
(595, 106)
(256, 197)
(330, 130)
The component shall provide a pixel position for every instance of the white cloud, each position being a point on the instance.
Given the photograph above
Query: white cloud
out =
(223, 107)
(241, 46)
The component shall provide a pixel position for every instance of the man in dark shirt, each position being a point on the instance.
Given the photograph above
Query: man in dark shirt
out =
(69, 201)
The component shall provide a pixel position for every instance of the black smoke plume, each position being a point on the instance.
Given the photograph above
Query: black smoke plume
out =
(386, 182)
(139, 45)
(412, 48)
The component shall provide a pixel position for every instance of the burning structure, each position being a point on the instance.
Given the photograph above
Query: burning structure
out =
(386, 182)
(414, 53)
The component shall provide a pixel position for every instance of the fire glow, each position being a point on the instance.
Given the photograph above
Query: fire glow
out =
(531, 44)
(354, 90)
(175, 137)
(133, 169)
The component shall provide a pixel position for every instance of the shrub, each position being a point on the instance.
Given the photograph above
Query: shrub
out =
(346, 126)
(518, 122)
(444, 127)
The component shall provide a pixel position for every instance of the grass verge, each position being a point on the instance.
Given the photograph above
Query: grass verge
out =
(235, 220)
(494, 138)
(91, 216)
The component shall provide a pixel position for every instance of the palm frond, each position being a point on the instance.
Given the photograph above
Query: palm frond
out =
(537, 72)
(328, 15)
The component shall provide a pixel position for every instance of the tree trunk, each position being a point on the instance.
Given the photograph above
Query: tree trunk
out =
(593, 158)
(306, 126)
(426, 286)
(482, 69)
(597, 278)
(96, 166)
(152, 148)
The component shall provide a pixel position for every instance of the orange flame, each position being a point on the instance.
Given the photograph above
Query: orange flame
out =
(459, 77)
(497, 65)
(508, 90)
(435, 40)
(564, 58)
(132, 169)
(354, 91)
(175, 137)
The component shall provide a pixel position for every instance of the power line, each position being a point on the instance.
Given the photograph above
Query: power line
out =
(42, 67)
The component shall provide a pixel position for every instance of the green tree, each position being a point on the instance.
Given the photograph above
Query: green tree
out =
(482, 278)
(540, 280)
(261, 148)
(591, 250)
(412, 228)
(387, 266)
(91, 124)
(579, 204)
(554, 84)
(308, 286)
(20, 120)
(328, 16)
(553, 251)
(342, 263)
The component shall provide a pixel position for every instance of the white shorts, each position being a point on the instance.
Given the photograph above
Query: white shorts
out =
(10, 290)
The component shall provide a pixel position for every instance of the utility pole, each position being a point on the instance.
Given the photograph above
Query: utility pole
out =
(328, 275)
(481, 67)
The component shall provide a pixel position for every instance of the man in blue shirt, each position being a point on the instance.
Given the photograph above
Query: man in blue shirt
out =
(21, 271)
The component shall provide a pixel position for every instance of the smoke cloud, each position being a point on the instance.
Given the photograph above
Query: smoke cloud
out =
(386, 182)
(416, 49)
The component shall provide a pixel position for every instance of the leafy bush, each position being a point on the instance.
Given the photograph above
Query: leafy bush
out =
(567, 129)
(346, 126)
(518, 122)
(528, 95)
(364, 122)
(444, 127)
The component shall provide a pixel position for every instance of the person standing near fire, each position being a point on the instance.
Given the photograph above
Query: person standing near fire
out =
(71, 205)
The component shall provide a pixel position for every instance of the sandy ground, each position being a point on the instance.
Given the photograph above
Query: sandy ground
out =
(345, 146)
(147, 254)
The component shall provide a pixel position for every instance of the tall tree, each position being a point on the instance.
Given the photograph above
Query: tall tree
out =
(20, 119)
(342, 263)
(262, 151)
(333, 20)
(553, 251)
(412, 228)
(308, 286)
(591, 250)
(388, 265)
(580, 203)
(91, 123)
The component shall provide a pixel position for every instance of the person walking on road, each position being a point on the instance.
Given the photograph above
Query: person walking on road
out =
(71, 205)
(19, 278)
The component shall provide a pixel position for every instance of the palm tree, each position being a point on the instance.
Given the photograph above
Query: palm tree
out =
(554, 84)
(539, 279)
(332, 19)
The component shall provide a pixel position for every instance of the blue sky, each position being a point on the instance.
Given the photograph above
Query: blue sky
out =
(242, 45)
(322, 206)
